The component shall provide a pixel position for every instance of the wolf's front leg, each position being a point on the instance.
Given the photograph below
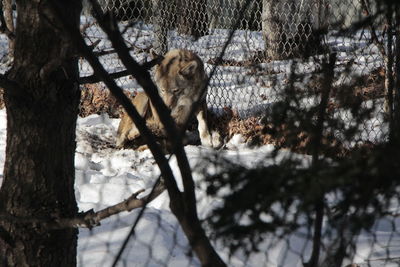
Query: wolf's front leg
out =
(204, 131)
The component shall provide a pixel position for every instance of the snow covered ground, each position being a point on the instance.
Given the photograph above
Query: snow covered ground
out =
(106, 176)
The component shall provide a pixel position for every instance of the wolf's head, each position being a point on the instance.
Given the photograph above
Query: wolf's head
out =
(180, 73)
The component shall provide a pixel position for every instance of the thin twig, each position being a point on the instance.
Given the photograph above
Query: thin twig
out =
(109, 51)
(317, 138)
(90, 218)
(119, 74)
(374, 36)
(132, 231)
(95, 79)
(142, 76)
(110, 27)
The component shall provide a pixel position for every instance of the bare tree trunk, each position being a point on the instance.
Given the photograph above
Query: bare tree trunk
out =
(42, 107)
(272, 29)
(163, 19)
(193, 19)
(288, 30)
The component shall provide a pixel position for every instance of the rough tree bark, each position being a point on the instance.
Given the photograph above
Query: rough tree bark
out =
(42, 98)
(288, 29)
(162, 20)
(271, 29)
(193, 19)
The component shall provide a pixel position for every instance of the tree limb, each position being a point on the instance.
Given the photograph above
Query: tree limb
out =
(131, 203)
(95, 79)
(328, 69)
(141, 75)
(119, 74)
(88, 219)
(374, 36)
(110, 27)
(183, 205)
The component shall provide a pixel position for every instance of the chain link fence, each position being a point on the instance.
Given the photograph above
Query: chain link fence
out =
(268, 39)
(257, 53)
(264, 59)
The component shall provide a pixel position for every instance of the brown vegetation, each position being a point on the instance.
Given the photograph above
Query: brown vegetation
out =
(96, 99)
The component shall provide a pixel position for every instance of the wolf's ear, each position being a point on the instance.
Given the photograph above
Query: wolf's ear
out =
(189, 69)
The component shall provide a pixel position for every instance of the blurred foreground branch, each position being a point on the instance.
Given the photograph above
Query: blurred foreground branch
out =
(183, 204)
(89, 219)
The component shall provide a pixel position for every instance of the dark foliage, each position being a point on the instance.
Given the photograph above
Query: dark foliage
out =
(280, 198)
(348, 184)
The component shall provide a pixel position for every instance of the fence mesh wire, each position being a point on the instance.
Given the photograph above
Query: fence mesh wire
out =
(250, 76)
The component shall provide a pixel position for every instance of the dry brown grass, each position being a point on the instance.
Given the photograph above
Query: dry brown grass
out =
(97, 99)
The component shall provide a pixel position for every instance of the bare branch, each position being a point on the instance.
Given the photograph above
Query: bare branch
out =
(156, 150)
(86, 26)
(374, 36)
(110, 27)
(182, 205)
(131, 203)
(106, 52)
(90, 218)
(95, 79)
(184, 209)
